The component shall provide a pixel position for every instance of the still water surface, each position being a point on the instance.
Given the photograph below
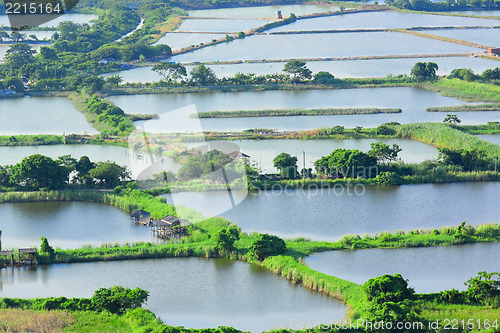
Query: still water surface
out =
(177, 41)
(381, 20)
(487, 37)
(429, 269)
(220, 25)
(340, 69)
(413, 102)
(495, 138)
(67, 224)
(330, 214)
(322, 46)
(192, 292)
(48, 115)
(262, 11)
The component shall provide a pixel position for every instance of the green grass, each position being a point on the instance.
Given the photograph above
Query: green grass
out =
(30, 140)
(466, 108)
(468, 91)
(460, 312)
(79, 103)
(19, 320)
(445, 136)
(292, 112)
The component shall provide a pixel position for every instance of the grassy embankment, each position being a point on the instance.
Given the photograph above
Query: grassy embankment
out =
(468, 91)
(201, 243)
(292, 112)
(78, 101)
(466, 108)
(445, 136)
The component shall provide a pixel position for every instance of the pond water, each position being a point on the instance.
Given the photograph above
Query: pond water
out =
(321, 46)
(330, 214)
(478, 12)
(177, 41)
(430, 269)
(413, 101)
(134, 161)
(340, 69)
(50, 115)
(189, 292)
(67, 224)
(263, 152)
(487, 37)
(495, 138)
(382, 20)
(220, 25)
(262, 11)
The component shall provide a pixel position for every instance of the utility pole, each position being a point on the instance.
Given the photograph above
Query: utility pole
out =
(304, 165)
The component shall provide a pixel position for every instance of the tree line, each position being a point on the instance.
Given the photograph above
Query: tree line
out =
(38, 172)
(448, 5)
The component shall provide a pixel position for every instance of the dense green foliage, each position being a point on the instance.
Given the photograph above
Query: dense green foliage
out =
(286, 165)
(422, 71)
(292, 112)
(225, 238)
(266, 245)
(345, 162)
(116, 299)
(451, 5)
(111, 115)
(42, 172)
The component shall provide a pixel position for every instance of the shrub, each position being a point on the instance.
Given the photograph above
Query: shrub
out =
(266, 245)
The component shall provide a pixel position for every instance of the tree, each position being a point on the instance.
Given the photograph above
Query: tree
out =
(94, 83)
(452, 119)
(19, 54)
(492, 74)
(225, 239)
(203, 75)
(46, 249)
(286, 165)
(345, 162)
(298, 69)
(40, 171)
(4, 176)
(14, 82)
(383, 152)
(114, 80)
(388, 288)
(109, 174)
(465, 74)
(82, 167)
(46, 53)
(118, 299)
(266, 245)
(484, 288)
(324, 78)
(4, 35)
(170, 71)
(422, 71)
(17, 37)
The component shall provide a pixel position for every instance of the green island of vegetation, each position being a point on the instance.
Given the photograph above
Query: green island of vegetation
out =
(288, 113)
